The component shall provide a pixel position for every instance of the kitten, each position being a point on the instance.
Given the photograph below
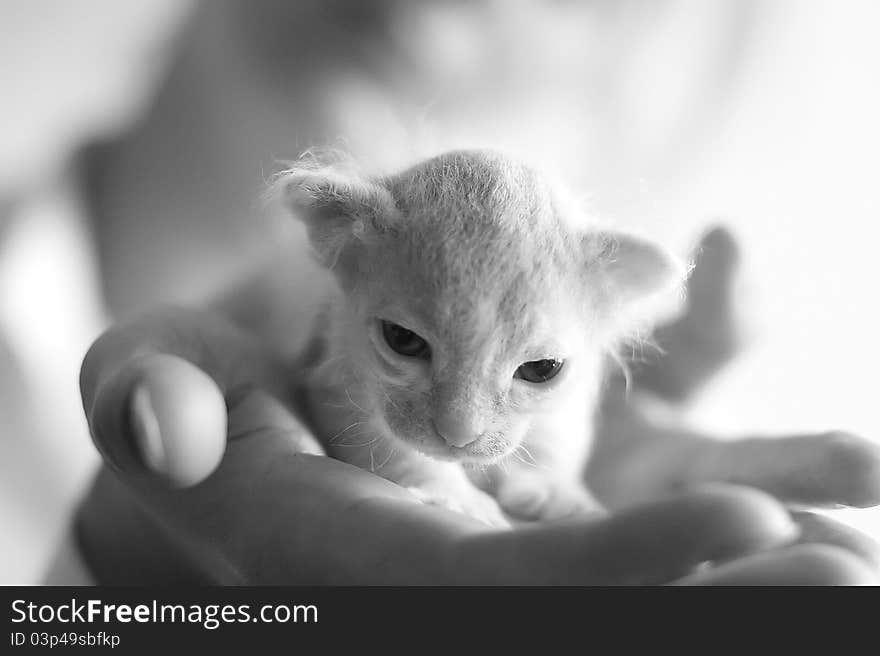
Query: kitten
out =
(463, 347)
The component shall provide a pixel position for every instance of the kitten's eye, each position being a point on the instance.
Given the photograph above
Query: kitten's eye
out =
(539, 371)
(405, 342)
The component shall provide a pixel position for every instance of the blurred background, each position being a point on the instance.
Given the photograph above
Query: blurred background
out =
(136, 138)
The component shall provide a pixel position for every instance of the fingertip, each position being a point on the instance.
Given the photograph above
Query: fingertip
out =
(745, 519)
(799, 565)
(719, 243)
(822, 564)
(818, 529)
(178, 419)
(253, 411)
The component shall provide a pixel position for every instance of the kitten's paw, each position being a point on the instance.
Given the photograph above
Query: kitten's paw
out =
(471, 502)
(537, 498)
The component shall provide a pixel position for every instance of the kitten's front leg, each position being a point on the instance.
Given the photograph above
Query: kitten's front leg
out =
(542, 495)
(432, 482)
(543, 479)
(446, 485)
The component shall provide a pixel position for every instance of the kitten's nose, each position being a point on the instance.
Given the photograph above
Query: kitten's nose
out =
(457, 430)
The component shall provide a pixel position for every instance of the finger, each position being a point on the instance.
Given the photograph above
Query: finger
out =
(155, 390)
(708, 334)
(273, 514)
(646, 545)
(283, 515)
(225, 354)
(161, 415)
(796, 565)
(256, 413)
(317, 508)
(816, 529)
(716, 263)
(828, 469)
(242, 524)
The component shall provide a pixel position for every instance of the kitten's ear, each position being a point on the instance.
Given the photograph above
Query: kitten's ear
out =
(336, 207)
(636, 274)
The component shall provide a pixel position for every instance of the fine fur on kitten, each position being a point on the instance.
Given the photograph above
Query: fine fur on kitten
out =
(461, 352)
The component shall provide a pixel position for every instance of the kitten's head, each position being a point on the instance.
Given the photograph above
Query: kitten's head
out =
(476, 302)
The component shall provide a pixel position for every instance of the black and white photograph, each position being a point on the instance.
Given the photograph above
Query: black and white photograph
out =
(433, 293)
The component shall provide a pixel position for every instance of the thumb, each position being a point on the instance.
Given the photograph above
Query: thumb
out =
(254, 413)
(161, 415)
(711, 284)
(710, 331)
(155, 392)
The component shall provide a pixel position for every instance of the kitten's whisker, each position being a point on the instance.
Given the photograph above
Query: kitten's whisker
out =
(334, 359)
(345, 430)
(523, 460)
(528, 454)
(390, 400)
(385, 462)
(346, 441)
(360, 445)
(348, 394)
(327, 404)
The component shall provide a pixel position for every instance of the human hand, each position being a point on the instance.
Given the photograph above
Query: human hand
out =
(172, 394)
(697, 344)
(637, 458)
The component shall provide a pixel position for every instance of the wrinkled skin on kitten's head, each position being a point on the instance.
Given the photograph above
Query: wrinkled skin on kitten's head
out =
(458, 272)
